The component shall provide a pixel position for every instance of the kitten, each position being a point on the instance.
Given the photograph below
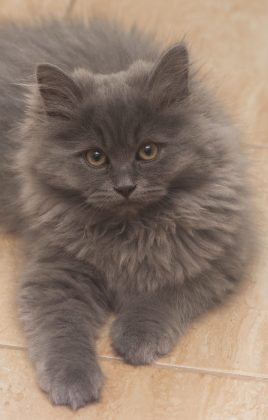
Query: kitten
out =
(125, 181)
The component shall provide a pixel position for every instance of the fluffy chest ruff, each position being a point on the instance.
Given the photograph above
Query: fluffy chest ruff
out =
(145, 257)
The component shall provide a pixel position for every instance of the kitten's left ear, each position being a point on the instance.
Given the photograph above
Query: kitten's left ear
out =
(59, 92)
(168, 82)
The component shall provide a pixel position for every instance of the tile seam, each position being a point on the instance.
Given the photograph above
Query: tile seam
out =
(242, 375)
(69, 8)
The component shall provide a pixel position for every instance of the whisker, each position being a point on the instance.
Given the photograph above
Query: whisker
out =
(25, 85)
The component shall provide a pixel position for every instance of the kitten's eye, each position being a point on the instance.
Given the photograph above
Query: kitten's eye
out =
(148, 152)
(96, 158)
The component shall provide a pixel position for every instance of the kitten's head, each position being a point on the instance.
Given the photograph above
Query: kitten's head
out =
(120, 143)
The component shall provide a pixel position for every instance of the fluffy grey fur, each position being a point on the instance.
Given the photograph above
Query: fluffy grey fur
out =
(161, 257)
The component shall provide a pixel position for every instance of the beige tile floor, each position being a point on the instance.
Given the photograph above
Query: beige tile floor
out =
(219, 370)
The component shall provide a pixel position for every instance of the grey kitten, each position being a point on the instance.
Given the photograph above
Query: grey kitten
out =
(125, 181)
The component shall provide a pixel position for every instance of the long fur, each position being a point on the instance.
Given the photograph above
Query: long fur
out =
(175, 249)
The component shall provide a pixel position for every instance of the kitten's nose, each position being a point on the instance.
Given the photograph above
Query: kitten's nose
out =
(125, 190)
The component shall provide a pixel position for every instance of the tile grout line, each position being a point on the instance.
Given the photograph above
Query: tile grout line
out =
(254, 376)
(11, 347)
(250, 376)
(69, 8)
(255, 146)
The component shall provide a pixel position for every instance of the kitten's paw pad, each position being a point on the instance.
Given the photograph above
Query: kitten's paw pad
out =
(72, 386)
(139, 344)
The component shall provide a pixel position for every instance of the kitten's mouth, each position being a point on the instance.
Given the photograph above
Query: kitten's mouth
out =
(131, 205)
(125, 207)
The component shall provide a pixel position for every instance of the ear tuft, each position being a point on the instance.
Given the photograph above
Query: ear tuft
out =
(59, 92)
(168, 82)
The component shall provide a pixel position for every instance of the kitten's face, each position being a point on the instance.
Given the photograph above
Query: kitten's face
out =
(117, 142)
(128, 150)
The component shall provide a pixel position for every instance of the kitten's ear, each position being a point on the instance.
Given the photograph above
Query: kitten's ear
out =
(168, 82)
(59, 92)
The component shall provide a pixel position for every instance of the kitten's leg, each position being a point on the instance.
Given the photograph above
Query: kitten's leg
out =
(62, 303)
(148, 326)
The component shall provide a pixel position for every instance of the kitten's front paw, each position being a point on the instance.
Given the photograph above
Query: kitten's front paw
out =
(71, 385)
(140, 342)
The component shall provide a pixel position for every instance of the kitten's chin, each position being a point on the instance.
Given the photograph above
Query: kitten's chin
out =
(119, 207)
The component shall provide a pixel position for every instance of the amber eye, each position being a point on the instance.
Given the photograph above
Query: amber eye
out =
(148, 152)
(96, 158)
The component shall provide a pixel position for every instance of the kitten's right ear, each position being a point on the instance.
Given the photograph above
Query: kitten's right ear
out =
(168, 81)
(59, 92)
